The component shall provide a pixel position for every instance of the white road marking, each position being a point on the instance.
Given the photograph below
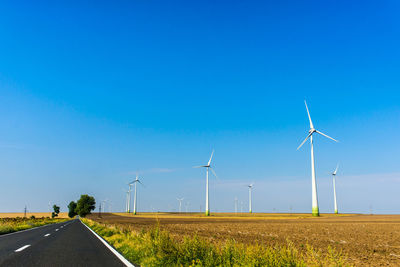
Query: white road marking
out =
(113, 250)
(22, 248)
(46, 234)
(56, 229)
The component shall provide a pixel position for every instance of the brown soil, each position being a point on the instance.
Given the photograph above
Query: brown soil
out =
(366, 240)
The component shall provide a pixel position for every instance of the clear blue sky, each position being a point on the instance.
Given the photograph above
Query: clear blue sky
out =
(93, 91)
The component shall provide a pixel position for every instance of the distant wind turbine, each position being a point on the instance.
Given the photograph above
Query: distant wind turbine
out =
(129, 200)
(187, 206)
(180, 204)
(135, 195)
(315, 209)
(208, 167)
(250, 186)
(334, 188)
(236, 204)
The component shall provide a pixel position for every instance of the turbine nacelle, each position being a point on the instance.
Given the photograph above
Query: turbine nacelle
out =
(208, 165)
(334, 173)
(313, 130)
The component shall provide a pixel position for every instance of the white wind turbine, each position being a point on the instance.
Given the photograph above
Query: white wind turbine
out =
(250, 186)
(129, 196)
(127, 199)
(334, 188)
(180, 204)
(315, 209)
(135, 195)
(236, 204)
(208, 167)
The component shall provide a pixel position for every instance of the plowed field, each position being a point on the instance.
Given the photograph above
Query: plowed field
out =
(366, 240)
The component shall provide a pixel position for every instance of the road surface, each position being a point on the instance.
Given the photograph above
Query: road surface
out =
(63, 244)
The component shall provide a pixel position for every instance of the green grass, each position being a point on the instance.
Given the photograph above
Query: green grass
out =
(9, 225)
(158, 248)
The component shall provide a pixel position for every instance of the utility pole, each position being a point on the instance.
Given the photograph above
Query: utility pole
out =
(100, 210)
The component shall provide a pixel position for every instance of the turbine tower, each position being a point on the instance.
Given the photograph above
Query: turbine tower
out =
(315, 209)
(135, 195)
(236, 204)
(208, 167)
(180, 204)
(250, 186)
(127, 200)
(129, 196)
(334, 188)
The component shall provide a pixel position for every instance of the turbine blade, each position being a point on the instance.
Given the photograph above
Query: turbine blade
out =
(309, 117)
(308, 136)
(212, 153)
(216, 176)
(337, 166)
(327, 136)
(199, 166)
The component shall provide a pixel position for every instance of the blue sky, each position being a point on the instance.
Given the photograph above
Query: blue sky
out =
(93, 92)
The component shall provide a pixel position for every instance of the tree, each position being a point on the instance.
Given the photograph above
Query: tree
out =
(85, 205)
(72, 209)
(56, 211)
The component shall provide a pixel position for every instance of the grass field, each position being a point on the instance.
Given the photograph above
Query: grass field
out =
(365, 240)
(9, 225)
(29, 214)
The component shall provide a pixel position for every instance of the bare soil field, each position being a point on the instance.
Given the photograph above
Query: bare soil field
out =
(366, 240)
(29, 214)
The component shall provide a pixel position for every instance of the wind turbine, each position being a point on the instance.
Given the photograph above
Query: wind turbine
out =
(236, 204)
(315, 209)
(250, 186)
(135, 195)
(104, 205)
(127, 200)
(129, 196)
(187, 206)
(208, 167)
(180, 204)
(334, 188)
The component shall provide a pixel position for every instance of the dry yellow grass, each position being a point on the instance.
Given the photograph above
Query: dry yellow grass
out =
(29, 214)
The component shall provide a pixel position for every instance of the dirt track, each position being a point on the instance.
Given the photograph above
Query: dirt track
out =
(367, 240)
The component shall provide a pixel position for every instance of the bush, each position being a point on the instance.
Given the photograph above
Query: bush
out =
(85, 205)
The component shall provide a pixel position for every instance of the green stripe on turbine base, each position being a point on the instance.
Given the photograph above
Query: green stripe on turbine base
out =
(207, 213)
(134, 213)
(250, 211)
(315, 211)
(336, 212)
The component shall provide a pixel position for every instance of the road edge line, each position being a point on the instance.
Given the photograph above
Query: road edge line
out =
(113, 250)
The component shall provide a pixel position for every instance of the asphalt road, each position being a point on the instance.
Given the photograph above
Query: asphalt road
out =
(62, 244)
